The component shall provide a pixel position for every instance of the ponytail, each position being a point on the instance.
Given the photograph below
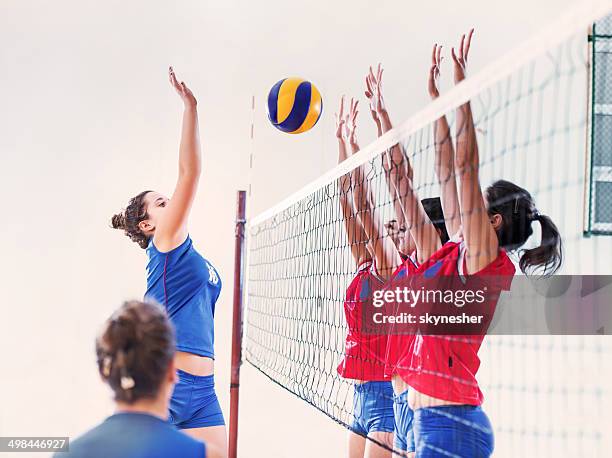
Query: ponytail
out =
(547, 257)
(517, 208)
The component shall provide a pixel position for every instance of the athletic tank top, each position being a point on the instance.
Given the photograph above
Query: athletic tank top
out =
(445, 366)
(399, 344)
(364, 354)
(188, 286)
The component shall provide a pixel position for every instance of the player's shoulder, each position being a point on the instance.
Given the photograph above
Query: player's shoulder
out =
(189, 446)
(130, 435)
(447, 253)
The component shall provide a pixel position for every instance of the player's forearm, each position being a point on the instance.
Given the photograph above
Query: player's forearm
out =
(344, 183)
(445, 171)
(399, 213)
(397, 156)
(342, 151)
(444, 166)
(362, 199)
(379, 131)
(360, 190)
(417, 221)
(466, 154)
(385, 121)
(190, 157)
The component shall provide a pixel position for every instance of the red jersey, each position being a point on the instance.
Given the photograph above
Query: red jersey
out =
(399, 344)
(445, 366)
(364, 354)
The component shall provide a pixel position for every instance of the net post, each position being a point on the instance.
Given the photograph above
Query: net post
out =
(237, 323)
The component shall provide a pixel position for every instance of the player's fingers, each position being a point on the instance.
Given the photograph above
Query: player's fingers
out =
(432, 72)
(368, 84)
(468, 43)
(461, 47)
(454, 56)
(173, 79)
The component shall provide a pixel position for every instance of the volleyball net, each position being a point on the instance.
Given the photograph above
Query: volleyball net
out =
(545, 394)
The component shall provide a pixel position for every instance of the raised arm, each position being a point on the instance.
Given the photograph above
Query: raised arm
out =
(444, 160)
(357, 237)
(381, 246)
(172, 229)
(423, 233)
(478, 233)
(400, 220)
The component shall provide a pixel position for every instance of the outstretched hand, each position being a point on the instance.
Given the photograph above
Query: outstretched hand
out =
(350, 123)
(340, 120)
(181, 88)
(460, 58)
(374, 91)
(434, 72)
(369, 93)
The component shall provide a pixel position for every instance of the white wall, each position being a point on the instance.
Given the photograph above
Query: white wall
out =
(88, 120)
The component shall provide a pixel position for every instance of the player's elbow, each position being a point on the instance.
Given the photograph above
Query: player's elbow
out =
(190, 171)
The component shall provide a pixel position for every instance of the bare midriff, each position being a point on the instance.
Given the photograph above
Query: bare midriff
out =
(416, 399)
(194, 364)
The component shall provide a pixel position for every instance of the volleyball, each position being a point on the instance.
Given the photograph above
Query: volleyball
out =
(294, 105)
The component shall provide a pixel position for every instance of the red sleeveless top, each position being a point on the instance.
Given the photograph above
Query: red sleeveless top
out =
(364, 354)
(445, 366)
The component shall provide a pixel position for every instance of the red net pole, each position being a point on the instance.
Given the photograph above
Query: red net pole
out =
(237, 323)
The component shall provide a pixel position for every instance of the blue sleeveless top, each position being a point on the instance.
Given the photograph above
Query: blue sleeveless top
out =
(188, 286)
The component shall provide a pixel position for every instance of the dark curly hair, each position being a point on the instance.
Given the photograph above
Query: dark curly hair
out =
(129, 219)
(518, 211)
(135, 350)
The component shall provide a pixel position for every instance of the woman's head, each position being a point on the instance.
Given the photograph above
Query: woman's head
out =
(512, 211)
(141, 216)
(135, 352)
(400, 236)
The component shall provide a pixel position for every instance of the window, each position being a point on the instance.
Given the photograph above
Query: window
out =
(600, 202)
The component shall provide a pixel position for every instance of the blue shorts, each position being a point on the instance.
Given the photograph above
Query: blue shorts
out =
(404, 437)
(373, 408)
(457, 431)
(194, 403)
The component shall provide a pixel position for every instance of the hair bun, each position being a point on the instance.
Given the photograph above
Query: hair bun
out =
(135, 351)
(118, 221)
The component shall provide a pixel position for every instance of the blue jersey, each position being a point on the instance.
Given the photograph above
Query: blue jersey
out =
(134, 435)
(188, 286)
